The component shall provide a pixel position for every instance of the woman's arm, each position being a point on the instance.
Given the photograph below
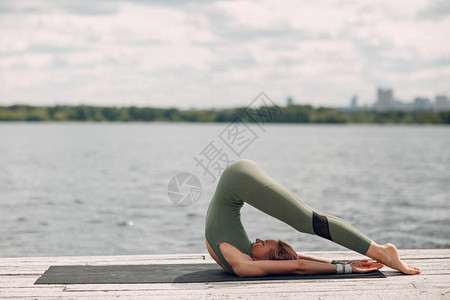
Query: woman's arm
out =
(298, 267)
(313, 258)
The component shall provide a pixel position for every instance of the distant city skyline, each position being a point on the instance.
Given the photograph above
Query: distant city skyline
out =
(385, 100)
(220, 54)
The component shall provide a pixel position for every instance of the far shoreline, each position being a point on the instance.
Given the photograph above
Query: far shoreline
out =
(291, 114)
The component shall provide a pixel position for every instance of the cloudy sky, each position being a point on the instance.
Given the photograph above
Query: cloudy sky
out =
(221, 53)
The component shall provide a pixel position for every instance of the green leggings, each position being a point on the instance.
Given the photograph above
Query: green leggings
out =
(244, 181)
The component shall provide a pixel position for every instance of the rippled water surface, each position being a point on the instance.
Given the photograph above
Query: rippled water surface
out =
(101, 189)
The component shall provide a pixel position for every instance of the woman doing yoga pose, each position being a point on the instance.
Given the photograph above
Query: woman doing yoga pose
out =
(244, 182)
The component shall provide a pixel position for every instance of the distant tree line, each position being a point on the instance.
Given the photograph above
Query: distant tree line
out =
(288, 114)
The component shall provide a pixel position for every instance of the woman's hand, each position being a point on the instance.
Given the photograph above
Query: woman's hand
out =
(364, 266)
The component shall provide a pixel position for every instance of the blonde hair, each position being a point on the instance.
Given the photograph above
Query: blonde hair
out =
(283, 251)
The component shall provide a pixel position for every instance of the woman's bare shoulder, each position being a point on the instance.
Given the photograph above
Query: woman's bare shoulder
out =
(233, 255)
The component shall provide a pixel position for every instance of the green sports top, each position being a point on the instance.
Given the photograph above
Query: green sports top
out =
(223, 219)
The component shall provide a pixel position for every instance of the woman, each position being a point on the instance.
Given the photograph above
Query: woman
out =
(228, 244)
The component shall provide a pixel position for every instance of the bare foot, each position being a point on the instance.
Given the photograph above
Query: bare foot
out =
(392, 260)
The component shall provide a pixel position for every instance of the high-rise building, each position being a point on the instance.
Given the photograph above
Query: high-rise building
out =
(354, 103)
(289, 101)
(385, 99)
(422, 104)
(442, 103)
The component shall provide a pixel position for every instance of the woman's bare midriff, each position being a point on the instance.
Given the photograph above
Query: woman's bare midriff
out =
(214, 256)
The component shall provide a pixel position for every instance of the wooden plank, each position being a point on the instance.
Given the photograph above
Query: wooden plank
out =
(404, 254)
(431, 265)
(37, 265)
(231, 293)
(237, 293)
(107, 258)
(321, 285)
(401, 295)
(268, 286)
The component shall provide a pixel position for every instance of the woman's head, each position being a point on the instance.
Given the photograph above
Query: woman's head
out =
(272, 250)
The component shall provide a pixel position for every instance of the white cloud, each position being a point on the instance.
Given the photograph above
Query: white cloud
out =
(222, 53)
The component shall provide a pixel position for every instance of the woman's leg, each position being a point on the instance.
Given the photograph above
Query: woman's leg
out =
(258, 189)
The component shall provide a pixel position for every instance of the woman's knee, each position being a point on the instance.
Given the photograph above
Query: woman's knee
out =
(243, 165)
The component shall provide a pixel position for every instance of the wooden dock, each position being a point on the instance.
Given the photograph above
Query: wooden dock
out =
(17, 277)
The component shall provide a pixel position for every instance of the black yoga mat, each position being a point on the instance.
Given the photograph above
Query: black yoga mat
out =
(167, 273)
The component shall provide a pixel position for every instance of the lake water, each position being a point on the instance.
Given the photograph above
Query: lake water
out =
(101, 189)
